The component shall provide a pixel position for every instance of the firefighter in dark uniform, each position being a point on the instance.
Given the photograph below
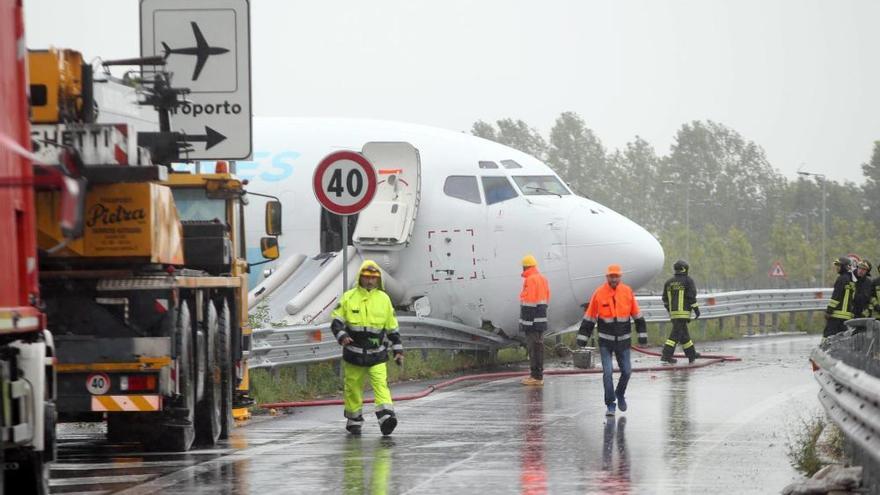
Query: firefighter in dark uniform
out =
(679, 299)
(840, 307)
(862, 301)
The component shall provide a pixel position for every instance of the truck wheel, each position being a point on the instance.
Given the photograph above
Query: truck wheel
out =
(176, 432)
(201, 357)
(208, 409)
(29, 473)
(227, 369)
(50, 417)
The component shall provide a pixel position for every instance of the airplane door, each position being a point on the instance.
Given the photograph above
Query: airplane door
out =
(386, 224)
(453, 254)
(455, 272)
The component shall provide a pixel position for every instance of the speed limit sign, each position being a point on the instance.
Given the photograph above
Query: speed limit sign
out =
(98, 383)
(344, 182)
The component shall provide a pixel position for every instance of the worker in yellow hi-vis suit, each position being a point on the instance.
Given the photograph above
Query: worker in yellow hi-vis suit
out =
(364, 324)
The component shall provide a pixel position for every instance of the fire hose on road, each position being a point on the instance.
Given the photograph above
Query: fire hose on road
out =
(705, 360)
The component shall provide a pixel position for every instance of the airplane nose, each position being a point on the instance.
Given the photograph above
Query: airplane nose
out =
(647, 259)
(597, 237)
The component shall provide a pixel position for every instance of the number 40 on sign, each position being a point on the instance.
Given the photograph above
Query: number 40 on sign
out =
(344, 182)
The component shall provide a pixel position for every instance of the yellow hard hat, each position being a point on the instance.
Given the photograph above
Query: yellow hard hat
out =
(529, 260)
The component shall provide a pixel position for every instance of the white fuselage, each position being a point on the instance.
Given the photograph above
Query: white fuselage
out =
(463, 256)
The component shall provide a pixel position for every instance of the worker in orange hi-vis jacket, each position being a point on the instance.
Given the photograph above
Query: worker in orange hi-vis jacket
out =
(614, 307)
(534, 298)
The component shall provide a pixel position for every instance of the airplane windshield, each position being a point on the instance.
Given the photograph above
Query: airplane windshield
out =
(194, 204)
(540, 185)
(497, 189)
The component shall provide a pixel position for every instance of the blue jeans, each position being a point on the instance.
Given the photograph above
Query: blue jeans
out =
(625, 371)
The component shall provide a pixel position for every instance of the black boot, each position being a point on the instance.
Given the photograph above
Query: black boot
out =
(354, 425)
(387, 421)
(690, 351)
(666, 356)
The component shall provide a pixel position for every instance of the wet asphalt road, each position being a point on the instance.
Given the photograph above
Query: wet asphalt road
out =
(720, 429)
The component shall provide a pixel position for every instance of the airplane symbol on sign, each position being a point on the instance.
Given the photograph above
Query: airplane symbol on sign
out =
(202, 50)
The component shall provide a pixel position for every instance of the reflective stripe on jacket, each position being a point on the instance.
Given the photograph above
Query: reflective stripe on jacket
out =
(680, 296)
(841, 304)
(533, 299)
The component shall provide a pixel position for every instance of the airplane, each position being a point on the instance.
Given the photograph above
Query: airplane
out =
(452, 218)
(202, 50)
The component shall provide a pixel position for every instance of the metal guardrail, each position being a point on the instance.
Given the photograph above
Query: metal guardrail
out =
(724, 304)
(303, 344)
(848, 371)
(314, 343)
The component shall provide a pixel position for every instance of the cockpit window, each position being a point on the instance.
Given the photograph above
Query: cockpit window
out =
(487, 164)
(510, 164)
(497, 189)
(540, 185)
(462, 187)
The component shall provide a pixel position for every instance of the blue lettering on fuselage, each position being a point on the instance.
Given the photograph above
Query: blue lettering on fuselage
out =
(267, 166)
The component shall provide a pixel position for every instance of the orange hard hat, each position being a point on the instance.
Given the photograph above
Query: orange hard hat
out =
(613, 269)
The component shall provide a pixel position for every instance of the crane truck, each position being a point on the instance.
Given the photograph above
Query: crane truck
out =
(148, 301)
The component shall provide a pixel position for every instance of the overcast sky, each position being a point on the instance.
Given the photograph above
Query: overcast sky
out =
(799, 77)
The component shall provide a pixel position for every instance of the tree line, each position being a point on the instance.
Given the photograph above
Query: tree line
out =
(742, 214)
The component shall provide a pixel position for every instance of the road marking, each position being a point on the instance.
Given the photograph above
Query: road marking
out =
(709, 442)
(191, 472)
(454, 465)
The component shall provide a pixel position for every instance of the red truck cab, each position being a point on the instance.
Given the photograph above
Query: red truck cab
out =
(27, 385)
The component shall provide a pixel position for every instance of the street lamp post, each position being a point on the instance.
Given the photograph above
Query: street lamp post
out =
(820, 178)
(687, 221)
(687, 217)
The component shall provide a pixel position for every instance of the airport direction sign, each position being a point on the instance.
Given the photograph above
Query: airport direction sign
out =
(344, 182)
(206, 46)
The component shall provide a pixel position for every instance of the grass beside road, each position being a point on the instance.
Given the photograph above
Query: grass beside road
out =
(814, 444)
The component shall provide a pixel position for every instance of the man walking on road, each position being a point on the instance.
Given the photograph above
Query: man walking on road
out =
(613, 306)
(679, 299)
(363, 323)
(534, 298)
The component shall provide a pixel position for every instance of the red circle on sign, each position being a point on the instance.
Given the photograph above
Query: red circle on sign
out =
(98, 383)
(325, 200)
